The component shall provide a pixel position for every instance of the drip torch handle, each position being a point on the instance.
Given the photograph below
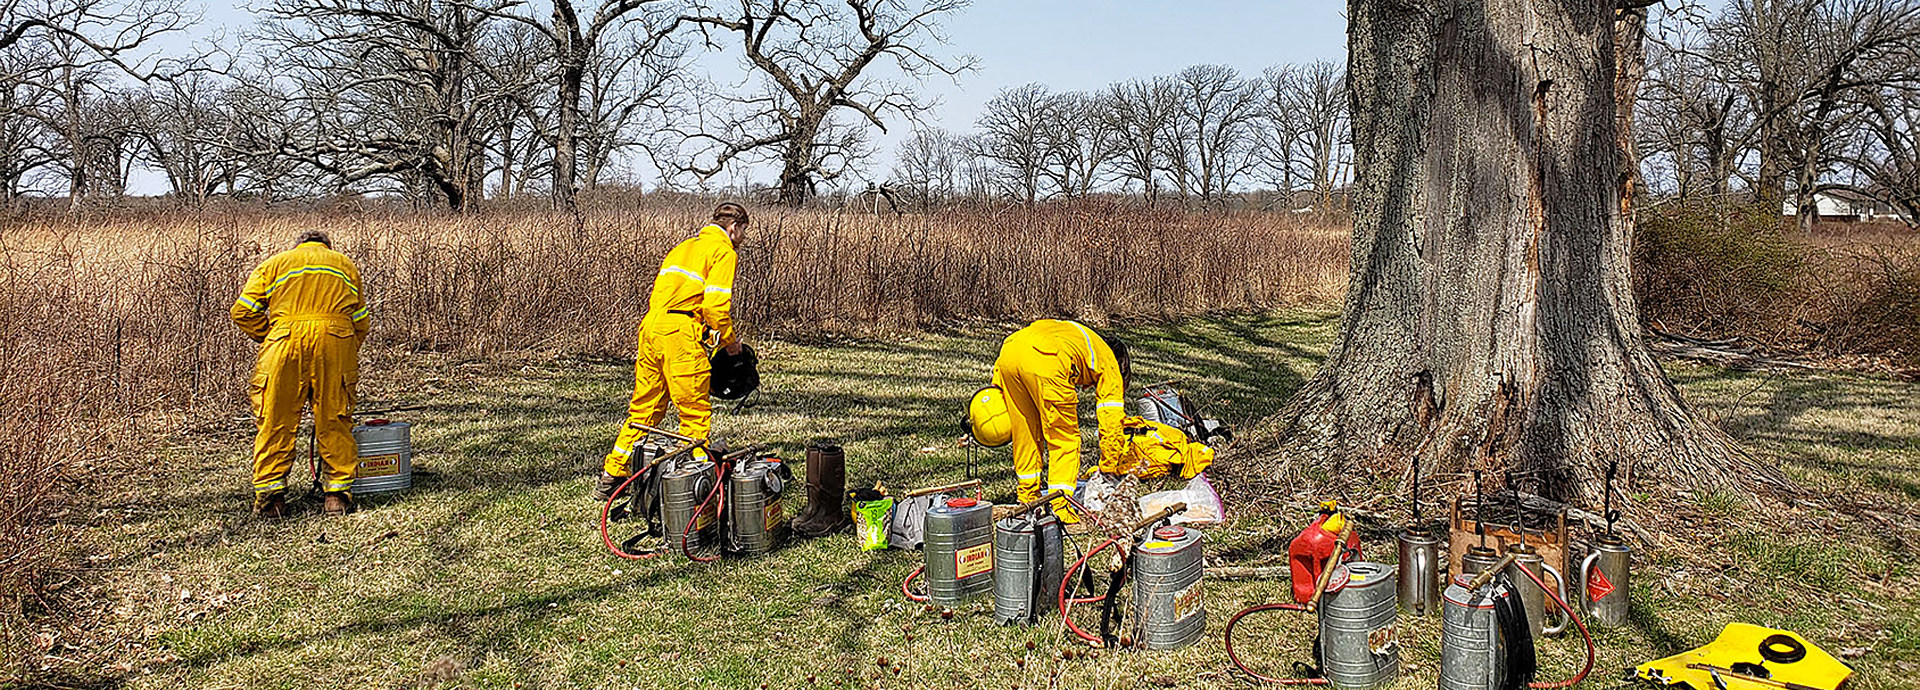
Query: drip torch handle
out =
(662, 432)
(943, 489)
(1036, 503)
(1487, 575)
(1736, 675)
(1326, 574)
(1164, 513)
(1586, 566)
(1565, 619)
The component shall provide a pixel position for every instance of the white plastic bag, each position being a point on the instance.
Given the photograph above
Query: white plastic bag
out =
(1203, 503)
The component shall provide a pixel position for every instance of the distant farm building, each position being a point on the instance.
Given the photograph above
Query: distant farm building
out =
(1844, 205)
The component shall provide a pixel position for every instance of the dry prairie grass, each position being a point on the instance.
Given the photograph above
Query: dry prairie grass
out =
(124, 314)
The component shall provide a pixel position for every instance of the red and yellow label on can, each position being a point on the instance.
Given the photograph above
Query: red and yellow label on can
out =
(1187, 602)
(776, 511)
(378, 466)
(706, 516)
(972, 561)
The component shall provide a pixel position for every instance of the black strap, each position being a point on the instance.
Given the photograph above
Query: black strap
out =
(683, 312)
(1110, 609)
(1521, 664)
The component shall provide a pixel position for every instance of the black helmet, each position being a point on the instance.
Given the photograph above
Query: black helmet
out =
(734, 376)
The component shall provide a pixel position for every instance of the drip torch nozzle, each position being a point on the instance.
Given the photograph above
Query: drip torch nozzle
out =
(1029, 506)
(1487, 575)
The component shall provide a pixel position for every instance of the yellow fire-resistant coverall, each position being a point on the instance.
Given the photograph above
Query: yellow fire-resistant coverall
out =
(693, 293)
(306, 308)
(1039, 368)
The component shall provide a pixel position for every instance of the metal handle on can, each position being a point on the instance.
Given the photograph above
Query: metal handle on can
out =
(943, 489)
(1586, 569)
(1565, 616)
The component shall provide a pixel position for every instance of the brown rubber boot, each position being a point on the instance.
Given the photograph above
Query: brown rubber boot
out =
(271, 505)
(337, 503)
(808, 513)
(826, 488)
(608, 483)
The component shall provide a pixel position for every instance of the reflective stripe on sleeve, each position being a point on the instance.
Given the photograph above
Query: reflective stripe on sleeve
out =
(716, 288)
(249, 303)
(362, 314)
(695, 277)
(1111, 403)
(1093, 358)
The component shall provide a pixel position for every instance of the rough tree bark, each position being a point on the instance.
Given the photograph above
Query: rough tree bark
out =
(1490, 322)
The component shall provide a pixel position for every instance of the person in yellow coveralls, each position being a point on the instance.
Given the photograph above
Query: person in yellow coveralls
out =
(308, 310)
(1040, 368)
(692, 295)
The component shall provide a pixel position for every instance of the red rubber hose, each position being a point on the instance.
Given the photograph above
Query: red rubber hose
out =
(906, 586)
(607, 509)
(720, 482)
(1584, 634)
(1235, 658)
(1067, 581)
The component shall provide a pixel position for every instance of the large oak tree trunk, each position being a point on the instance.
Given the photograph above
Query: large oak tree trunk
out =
(1490, 322)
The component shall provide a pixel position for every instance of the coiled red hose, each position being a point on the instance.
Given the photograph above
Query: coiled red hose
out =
(906, 586)
(1067, 582)
(720, 481)
(1584, 634)
(606, 510)
(1235, 658)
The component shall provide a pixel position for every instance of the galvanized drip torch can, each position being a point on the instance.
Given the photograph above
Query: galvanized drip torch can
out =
(1532, 598)
(959, 550)
(1359, 629)
(1472, 652)
(1166, 588)
(684, 483)
(755, 512)
(1605, 574)
(386, 457)
(1477, 558)
(1419, 577)
(1027, 567)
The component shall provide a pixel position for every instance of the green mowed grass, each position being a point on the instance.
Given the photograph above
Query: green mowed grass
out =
(490, 572)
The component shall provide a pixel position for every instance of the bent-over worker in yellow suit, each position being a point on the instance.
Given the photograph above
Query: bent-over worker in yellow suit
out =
(692, 294)
(1040, 368)
(307, 309)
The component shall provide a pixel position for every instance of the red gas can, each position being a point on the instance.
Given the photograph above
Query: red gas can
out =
(1309, 552)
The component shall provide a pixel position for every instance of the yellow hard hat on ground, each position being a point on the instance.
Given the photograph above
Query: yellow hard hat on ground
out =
(987, 419)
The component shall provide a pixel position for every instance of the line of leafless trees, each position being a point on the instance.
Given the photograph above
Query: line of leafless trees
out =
(1780, 100)
(1200, 135)
(454, 101)
(459, 102)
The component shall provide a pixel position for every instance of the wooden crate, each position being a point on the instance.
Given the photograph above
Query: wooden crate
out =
(1545, 532)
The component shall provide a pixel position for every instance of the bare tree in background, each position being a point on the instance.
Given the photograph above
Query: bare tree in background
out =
(1213, 131)
(1140, 116)
(607, 66)
(1691, 109)
(1802, 63)
(395, 90)
(1308, 106)
(1013, 134)
(64, 60)
(1887, 150)
(929, 168)
(817, 58)
(1079, 145)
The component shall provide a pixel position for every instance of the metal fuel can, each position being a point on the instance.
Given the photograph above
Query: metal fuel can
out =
(385, 462)
(1166, 588)
(1478, 558)
(683, 486)
(958, 550)
(1472, 652)
(1532, 598)
(1359, 629)
(1419, 577)
(756, 510)
(1027, 567)
(1605, 576)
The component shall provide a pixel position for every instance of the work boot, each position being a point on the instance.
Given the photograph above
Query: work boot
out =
(812, 470)
(337, 503)
(271, 505)
(603, 491)
(826, 489)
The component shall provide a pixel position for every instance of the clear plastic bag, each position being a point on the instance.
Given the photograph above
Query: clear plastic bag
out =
(1203, 503)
